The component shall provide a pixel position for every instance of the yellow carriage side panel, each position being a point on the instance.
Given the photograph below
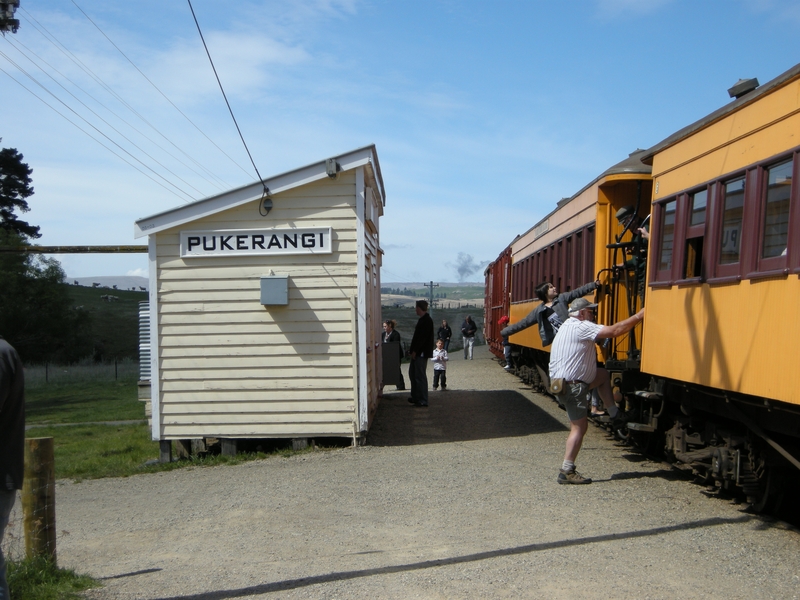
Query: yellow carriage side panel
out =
(527, 337)
(741, 337)
(753, 133)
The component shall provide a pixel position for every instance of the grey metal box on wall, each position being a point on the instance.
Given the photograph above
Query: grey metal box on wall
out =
(275, 290)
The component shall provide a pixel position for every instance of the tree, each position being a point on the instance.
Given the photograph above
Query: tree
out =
(35, 308)
(15, 187)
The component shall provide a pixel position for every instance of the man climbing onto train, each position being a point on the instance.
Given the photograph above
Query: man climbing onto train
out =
(573, 365)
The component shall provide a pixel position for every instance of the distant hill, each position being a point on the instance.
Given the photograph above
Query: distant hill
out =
(120, 282)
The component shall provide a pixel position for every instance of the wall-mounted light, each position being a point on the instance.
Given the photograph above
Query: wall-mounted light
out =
(332, 168)
(266, 203)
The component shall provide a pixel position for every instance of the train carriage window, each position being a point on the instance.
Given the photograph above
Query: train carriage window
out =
(695, 235)
(733, 205)
(776, 210)
(667, 236)
(699, 201)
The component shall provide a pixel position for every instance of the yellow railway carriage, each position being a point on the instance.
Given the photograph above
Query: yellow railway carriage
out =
(722, 329)
(711, 378)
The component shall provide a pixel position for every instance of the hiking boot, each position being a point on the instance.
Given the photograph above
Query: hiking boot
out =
(572, 477)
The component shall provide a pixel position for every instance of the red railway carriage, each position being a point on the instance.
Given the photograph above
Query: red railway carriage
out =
(497, 302)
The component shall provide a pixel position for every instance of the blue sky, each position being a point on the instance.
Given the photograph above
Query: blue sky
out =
(484, 114)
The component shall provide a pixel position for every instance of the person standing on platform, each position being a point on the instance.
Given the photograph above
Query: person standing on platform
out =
(444, 334)
(573, 360)
(390, 334)
(439, 365)
(468, 329)
(419, 352)
(12, 442)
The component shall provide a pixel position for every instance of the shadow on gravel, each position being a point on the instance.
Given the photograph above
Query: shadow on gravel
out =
(457, 416)
(290, 584)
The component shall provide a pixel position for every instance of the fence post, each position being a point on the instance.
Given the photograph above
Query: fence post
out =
(39, 499)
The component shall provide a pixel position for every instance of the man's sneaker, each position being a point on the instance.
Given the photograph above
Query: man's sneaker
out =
(572, 476)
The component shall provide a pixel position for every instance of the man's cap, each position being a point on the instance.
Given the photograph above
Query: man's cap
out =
(503, 320)
(625, 211)
(580, 304)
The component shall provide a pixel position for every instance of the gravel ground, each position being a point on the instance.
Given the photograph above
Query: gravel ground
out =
(455, 501)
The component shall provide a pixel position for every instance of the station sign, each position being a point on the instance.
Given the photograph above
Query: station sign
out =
(256, 242)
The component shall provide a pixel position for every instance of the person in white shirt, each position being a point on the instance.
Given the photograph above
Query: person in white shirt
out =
(573, 359)
(439, 365)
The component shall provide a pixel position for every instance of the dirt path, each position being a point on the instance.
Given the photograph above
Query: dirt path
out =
(455, 501)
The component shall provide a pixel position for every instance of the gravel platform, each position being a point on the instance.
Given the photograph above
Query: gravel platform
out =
(458, 500)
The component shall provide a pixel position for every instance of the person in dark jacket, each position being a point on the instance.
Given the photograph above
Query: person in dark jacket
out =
(420, 352)
(12, 441)
(551, 313)
(390, 334)
(444, 334)
(468, 330)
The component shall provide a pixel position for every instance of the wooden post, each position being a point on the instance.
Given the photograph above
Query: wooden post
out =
(39, 499)
(228, 446)
(165, 451)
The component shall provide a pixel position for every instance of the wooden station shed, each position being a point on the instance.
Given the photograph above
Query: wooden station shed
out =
(265, 307)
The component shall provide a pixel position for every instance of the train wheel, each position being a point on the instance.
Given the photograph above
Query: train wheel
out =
(759, 482)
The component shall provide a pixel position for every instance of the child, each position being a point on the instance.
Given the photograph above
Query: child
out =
(439, 365)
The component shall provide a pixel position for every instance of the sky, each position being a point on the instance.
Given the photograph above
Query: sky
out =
(484, 114)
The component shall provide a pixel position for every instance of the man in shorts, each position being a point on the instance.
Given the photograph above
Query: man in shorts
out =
(573, 358)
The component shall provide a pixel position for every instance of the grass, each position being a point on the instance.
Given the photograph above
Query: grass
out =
(84, 413)
(40, 579)
(85, 397)
(96, 451)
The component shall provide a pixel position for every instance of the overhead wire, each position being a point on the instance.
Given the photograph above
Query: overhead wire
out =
(52, 39)
(261, 179)
(158, 90)
(82, 103)
(88, 134)
(21, 70)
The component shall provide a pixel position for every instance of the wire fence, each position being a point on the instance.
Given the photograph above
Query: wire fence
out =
(123, 369)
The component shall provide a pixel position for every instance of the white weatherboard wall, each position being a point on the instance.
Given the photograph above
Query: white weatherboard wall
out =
(229, 367)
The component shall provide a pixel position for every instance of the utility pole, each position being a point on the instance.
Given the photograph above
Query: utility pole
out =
(431, 285)
(7, 20)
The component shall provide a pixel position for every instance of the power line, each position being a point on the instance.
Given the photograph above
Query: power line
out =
(90, 125)
(109, 124)
(158, 90)
(261, 179)
(43, 31)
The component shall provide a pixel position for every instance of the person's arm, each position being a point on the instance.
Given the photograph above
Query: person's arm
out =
(617, 329)
(580, 292)
(530, 319)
